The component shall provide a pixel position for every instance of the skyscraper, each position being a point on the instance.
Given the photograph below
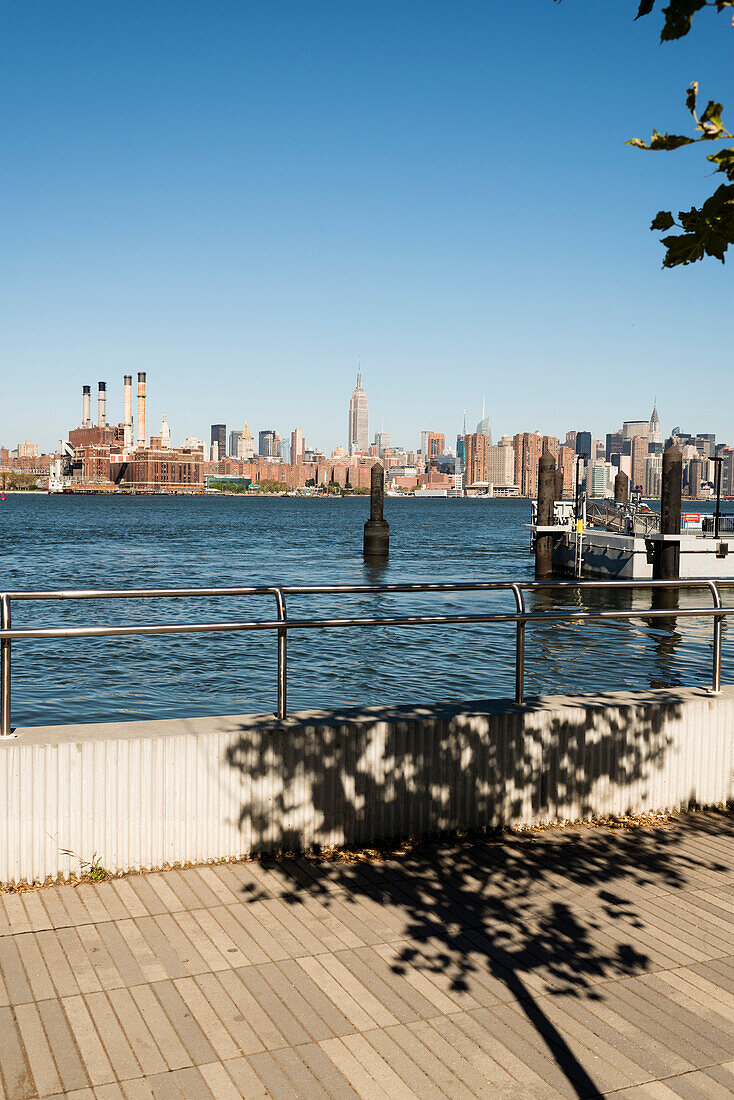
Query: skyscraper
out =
(298, 446)
(359, 433)
(219, 436)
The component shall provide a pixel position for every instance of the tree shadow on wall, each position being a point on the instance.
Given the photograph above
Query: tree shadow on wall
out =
(515, 917)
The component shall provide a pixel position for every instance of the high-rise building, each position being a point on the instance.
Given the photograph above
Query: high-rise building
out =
(613, 445)
(695, 478)
(653, 431)
(653, 475)
(501, 463)
(483, 427)
(359, 421)
(476, 460)
(631, 428)
(234, 438)
(298, 446)
(284, 450)
(527, 447)
(268, 443)
(639, 453)
(219, 436)
(435, 445)
(583, 443)
(245, 445)
(165, 434)
(382, 441)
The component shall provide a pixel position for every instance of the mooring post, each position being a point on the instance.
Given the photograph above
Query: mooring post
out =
(546, 514)
(559, 484)
(621, 488)
(376, 530)
(670, 501)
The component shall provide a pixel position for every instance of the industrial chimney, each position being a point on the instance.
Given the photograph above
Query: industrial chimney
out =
(86, 406)
(141, 408)
(127, 422)
(102, 405)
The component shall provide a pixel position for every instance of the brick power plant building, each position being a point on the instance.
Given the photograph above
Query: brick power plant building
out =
(104, 457)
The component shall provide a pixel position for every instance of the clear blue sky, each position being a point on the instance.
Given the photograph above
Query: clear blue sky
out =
(241, 199)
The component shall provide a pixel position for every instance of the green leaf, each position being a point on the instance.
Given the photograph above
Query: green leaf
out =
(663, 220)
(678, 17)
(662, 141)
(708, 231)
(724, 160)
(691, 94)
(711, 122)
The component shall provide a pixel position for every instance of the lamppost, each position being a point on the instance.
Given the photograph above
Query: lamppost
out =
(579, 458)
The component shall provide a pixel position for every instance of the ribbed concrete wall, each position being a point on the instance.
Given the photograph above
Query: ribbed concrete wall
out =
(145, 794)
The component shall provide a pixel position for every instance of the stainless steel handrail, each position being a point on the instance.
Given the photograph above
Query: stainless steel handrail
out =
(283, 624)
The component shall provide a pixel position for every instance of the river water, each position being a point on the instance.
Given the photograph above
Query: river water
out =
(49, 542)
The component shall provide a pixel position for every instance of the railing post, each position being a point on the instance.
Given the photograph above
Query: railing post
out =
(519, 647)
(5, 623)
(716, 671)
(282, 655)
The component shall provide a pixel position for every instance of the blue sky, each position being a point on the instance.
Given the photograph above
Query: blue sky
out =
(241, 199)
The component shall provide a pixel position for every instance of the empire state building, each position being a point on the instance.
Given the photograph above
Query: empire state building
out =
(359, 429)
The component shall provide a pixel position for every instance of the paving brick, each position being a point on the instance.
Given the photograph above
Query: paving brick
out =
(246, 1080)
(160, 1027)
(138, 1035)
(13, 972)
(93, 1054)
(38, 1052)
(14, 1070)
(66, 1053)
(118, 1049)
(197, 1045)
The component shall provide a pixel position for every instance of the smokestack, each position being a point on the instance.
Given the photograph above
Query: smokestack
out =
(86, 406)
(127, 421)
(141, 408)
(102, 405)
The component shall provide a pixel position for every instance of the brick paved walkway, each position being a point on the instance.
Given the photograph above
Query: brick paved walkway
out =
(567, 963)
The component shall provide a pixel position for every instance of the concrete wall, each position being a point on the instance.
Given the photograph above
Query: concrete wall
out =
(148, 793)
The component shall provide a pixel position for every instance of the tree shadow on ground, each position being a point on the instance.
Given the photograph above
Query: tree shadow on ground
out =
(521, 916)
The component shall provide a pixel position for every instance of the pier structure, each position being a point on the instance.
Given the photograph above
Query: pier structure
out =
(489, 955)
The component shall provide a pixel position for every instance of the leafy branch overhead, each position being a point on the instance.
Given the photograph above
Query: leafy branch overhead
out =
(707, 230)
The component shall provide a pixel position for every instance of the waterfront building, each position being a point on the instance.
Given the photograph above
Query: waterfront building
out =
(193, 443)
(219, 436)
(527, 446)
(26, 450)
(358, 436)
(566, 463)
(501, 463)
(476, 460)
(298, 446)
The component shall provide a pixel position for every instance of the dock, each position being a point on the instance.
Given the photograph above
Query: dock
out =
(586, 962)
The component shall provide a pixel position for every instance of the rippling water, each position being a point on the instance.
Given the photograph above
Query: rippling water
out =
(142, 542)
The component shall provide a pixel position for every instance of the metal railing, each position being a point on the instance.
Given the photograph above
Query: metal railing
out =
(282, 624)
(622, 518)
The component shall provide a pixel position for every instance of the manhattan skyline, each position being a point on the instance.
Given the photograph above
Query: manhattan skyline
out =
(243, 203)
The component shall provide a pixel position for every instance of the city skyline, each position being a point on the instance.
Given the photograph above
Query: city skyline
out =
(242, 203)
